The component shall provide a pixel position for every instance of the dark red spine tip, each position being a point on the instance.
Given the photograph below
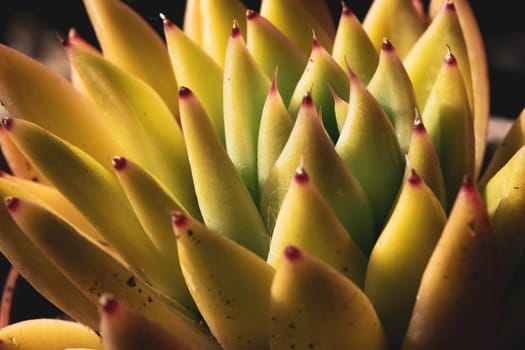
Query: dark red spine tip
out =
(418, 123)
(168, 24)
(449, 5)
(292, 253)
(315, 43)
(119, 163)
(301, 176)
(109, 304)
(387, 45)
(273, 88)
(450, 59)
(414, 178)
(251, 14)
(12, 203)
(2, 173)
(7, 123)
(179, 219)
(346, 11)
(468, 183)
(184, 92)
(419, 127)
(236, 31)
(307, 99)
(66, 42)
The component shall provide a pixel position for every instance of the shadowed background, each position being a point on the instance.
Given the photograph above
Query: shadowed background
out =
(32, 27)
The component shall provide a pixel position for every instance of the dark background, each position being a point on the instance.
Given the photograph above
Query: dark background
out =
(501, 24)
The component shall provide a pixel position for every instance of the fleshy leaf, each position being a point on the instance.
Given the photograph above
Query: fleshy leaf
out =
(217, 20)
(242, 112)
(228, 282)
(321, 74)
(425, 161)
(299, 26)
(401, 253)
(272, 50)
(310, 145)
(196, 70)
(458, 303)
(448, 119)
(54, 104)
(223, 195)
(78, 181)
(314, 306)
(399, 21)
(140, 122)
(128, 41)
(477, 56)
(308, 222)
(367, 140)
(352, 46)
(275, 128)
(393, 89)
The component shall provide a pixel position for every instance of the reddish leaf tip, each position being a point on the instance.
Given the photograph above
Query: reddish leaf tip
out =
(236, 31)
(292, 253)
(168, 24)
(12, 203)
(449, 5)
(119, 163)
(108, 304)
(468, 184)
(387, 45)
(7, 123)
(66, 42)
(184, 92)
(450, 59)
(315, 43)
(301, 176)
(414, 179)
(251, 14)
(307, 99)
(346, 11)
(179, 219)
(273, 88)
(418, 123)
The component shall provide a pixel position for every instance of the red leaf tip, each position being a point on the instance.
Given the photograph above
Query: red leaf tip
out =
(166, 22)
(251, 14)
(184, 92)
(414, 179)
(179, 219)
(387, 45)
(468, 184)
(7, 123)
(307, 99)
(418, 122)
(108, 304)
(12, 203)
(450, 58)
(346, 11)
(236, 31)
(301, 176)
(449, 5)
(119, 163)
(315, 43)
(292, 253)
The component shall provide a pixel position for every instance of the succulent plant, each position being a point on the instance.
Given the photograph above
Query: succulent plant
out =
(265, 179)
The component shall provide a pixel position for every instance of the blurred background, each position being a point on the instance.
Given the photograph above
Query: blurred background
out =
(32, 27)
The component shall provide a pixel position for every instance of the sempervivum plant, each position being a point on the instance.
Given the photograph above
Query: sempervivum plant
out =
(265, 179)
